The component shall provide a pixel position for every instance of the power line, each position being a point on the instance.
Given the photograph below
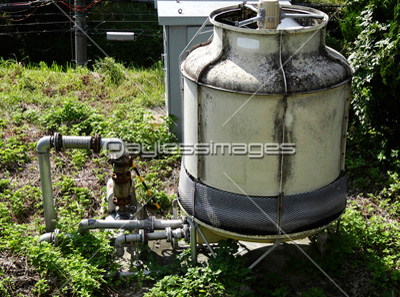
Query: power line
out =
(27, 16)
(123, 14)
(35, 24)
(128, 30)
(38, 3)
(122, 22)
(39, 14)
(33, 32)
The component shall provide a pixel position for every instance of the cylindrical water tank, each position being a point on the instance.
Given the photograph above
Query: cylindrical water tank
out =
(265, 118)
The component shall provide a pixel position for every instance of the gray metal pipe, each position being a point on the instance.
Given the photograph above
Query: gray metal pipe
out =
(125, 239)
(114, 146)
(162, 224)
(52, 237)
(48, 237)
(43, 148)
(150, 224)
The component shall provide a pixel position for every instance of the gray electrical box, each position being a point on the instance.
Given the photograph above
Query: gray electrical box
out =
(181, 20)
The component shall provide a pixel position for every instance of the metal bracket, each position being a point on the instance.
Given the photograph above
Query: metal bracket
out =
(207, 243)
(258, 18)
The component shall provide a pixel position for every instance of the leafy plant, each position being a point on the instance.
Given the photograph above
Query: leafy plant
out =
(313, 292)
(13, 152)
(371, 32)
(197, 281)
(114, 71)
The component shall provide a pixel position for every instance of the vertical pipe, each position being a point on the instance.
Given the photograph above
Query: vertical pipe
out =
(80, 38)
(47, 190)
(43, 148)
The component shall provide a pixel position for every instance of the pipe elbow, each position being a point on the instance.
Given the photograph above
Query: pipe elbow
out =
(47, 237)
(51, 237)
(119, 245)
(114, 147)
(86, 224)
(83, 226)
(44, 144)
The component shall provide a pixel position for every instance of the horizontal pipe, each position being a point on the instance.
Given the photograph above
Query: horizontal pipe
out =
(129, 273)
(76, 142)
(162, 224)
(143, 237)
(129, 224)
(122, 239)
(157, 235)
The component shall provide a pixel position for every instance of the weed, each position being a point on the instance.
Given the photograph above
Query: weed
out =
(24, 202)
(114, 71)
(5, 284)
(313, 292)
(13, 152)
(4, 183)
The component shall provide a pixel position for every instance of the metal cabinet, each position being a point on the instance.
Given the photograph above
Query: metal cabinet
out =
(181, 20)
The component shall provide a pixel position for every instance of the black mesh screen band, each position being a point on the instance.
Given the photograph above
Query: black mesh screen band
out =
(259, 215)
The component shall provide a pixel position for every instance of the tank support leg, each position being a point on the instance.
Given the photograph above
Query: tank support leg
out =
(338, 226)
(205, 240)
(274, 246)
(175, 216)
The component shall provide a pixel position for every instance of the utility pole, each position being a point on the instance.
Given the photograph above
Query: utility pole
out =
(80, 37)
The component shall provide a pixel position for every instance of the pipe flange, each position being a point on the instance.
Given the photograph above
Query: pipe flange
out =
(122, 177)
(149, 224)
(168, 232)
(57, 141)
(186, 232)
(55, 235)
(95, 143)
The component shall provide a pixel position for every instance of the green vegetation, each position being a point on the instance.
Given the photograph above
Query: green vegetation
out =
(371, 31)
(38, 100)
(362, 258)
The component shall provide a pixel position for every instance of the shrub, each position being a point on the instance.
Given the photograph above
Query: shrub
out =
(372, 40)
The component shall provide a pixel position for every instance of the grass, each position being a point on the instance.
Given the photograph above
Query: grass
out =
(37, 100)
(363, 258)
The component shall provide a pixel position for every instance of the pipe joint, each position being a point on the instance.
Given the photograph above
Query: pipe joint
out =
(149, 224)
(44, 145)
(50, 237)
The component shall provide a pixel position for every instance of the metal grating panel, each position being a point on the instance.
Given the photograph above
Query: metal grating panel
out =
(259, 215)
(314, 209)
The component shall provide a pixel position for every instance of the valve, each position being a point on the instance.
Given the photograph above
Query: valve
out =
(124, 193)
